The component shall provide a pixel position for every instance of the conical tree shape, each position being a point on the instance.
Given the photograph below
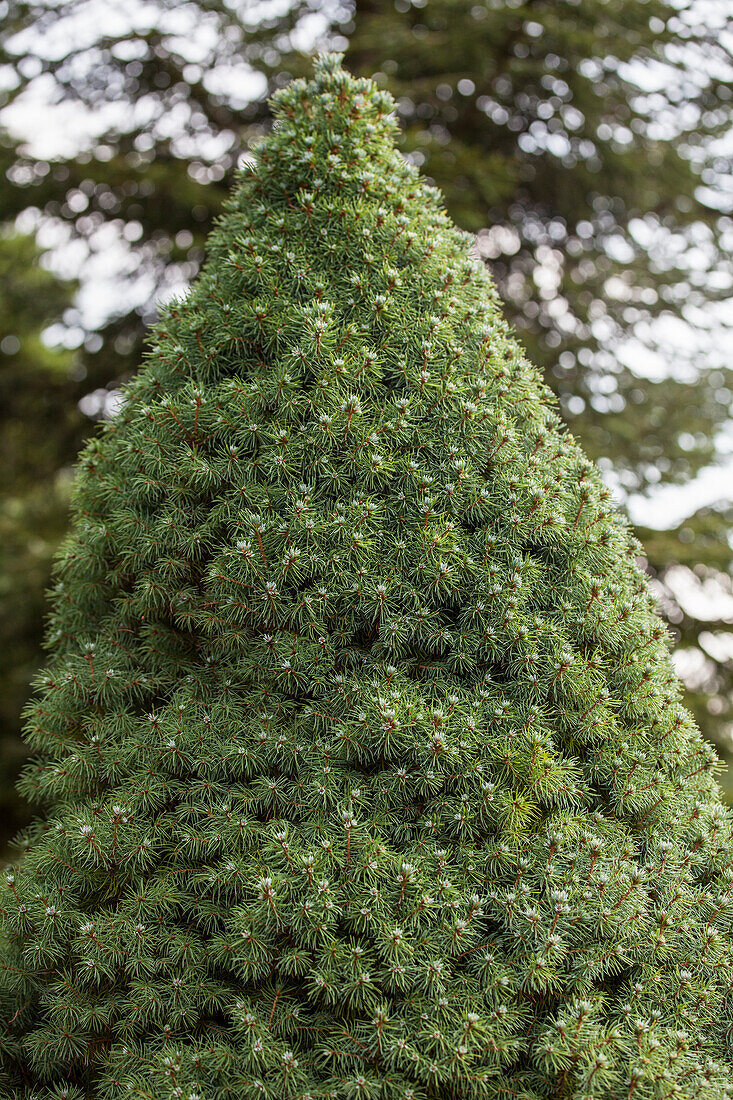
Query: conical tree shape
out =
(363, 763)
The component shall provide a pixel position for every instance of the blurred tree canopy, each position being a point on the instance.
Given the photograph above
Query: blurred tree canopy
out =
(40, 425)
(584, 142)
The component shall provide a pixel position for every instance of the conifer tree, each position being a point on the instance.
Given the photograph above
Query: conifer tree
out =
(363, 766)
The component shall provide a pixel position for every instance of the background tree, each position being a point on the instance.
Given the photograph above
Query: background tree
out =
(40, 426)
(581, 142)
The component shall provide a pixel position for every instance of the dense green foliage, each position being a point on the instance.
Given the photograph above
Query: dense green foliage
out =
(363, 762)
(579, 139)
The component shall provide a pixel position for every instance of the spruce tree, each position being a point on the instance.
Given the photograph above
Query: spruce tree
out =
(363, 766)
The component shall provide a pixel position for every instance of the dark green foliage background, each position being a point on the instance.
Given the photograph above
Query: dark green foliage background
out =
(40, 426)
